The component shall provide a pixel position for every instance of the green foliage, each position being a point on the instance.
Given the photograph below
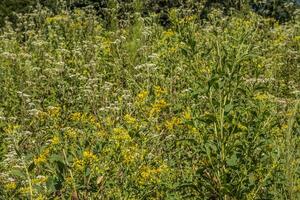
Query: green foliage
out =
(8, 7)
(98, 110)
(120, 11)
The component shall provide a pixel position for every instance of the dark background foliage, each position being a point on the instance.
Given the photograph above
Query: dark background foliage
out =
(281, 10)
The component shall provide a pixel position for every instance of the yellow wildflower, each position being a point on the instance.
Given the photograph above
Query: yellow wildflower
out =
(261, 97)
(53, 111)
(92, 119)
(69, 180)
(55, 140)
(170, 124)
(187, 115)
(101, 134)
(41, 197)
(106, 46)
(289, 114)
(242, 127)
(130, 154)
(146, 172)
(78, 165)
(173, 49)
(129, 119)
(157, 106)
(109, 121)
(75, 116)
(285, 127)
(168, 33)
(57, 18)
(98, 125)
(121, 134)
(11, 128)
(11, 186)
(192, 129)
(189, 18)
(24, 190)
(159, 91)
(42, 115)
(70, 133)
(89, 156)
(142, 96)
(39, 180)
(149, 174)
(42, 158)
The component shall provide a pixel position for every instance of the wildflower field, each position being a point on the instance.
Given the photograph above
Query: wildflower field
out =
(195, 110)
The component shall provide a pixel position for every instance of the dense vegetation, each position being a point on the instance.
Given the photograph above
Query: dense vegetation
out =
(117, 106)
(281, 10)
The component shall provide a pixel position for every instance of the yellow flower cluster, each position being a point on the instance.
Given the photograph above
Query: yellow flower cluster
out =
(190, 18)
(158, 106)
(42, 158)
(57, 18)
(70, 133)
(78, 165)
(89, 156)
(130, 154)
(75, 116)
(55, 140)
(39, 180)
(168, 33)
(106, 46)
(242, 127)
(109, 121)
(142, 96)
(24, 190)
(129, 119)
(53, 111)
(10, 186)
(148, 174)
(192, 129)
(159, 91)
(85, 118)
(101, 134)
(42, 115)
(261, 97)
(120, 134)
(11, 128)
(170, 124)
(187, 115)
(41, 197)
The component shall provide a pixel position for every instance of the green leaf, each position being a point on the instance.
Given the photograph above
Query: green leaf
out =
(17, 172)
(232, 161)
(56, 157)
(50, 184)
(87, 171)
(228, 108)
(31, 166)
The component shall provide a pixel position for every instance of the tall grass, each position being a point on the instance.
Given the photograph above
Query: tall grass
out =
(196, 111)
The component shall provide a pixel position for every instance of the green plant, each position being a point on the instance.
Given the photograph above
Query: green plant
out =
(137, 111)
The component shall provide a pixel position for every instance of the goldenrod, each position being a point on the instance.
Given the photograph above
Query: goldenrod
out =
(142, 96)
(158, 106)
(89, 156)
(129, 119)
(42, 158)
(10, 186)
(159, 91)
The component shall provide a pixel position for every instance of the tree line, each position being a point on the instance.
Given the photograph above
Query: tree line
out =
(281, 10)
